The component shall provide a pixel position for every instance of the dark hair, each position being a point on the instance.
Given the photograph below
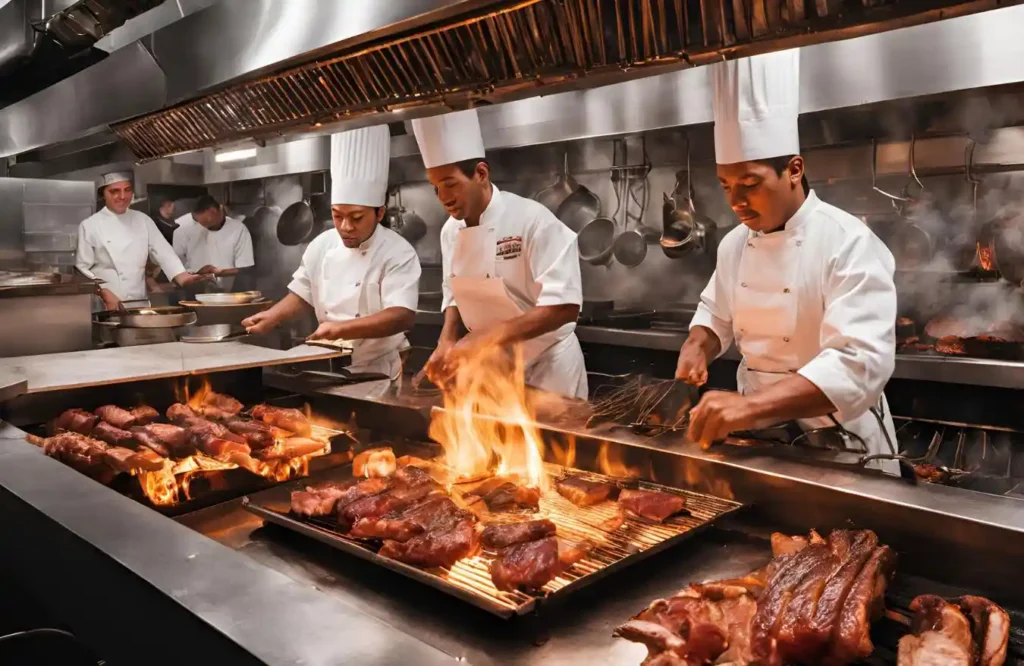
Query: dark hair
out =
(468, 167)
(779, 164)
(204, 203)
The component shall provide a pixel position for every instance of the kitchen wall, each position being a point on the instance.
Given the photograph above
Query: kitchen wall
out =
(40, 219)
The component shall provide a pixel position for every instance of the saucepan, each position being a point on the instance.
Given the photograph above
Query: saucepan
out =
(296, 224)
(684, 229)
(554, 195)
(579, 209)
(630, 247)
(596, 240)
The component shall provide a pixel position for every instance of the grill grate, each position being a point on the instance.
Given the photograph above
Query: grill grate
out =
(528, 43)
(470, 578)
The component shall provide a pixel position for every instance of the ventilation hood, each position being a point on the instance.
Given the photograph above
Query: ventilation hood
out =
(263, 69)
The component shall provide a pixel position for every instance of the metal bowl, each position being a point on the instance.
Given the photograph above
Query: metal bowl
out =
(212, 333)
(161, 317)
(234, 298)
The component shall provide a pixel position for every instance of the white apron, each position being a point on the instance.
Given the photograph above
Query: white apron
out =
(554, 361)
(350, 287)
(127, 279)
(777, 334)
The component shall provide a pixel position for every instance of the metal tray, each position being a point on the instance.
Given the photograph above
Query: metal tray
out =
(234, 298)
(469, 580)
(213, 333)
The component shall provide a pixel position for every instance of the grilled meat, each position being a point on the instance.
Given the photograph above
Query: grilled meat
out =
(533, 564)
(213, 445)
(74, 420)
(144, 415)
(951, 345)
(257, 434)
(126, 460)
(115, 416)
(181, 414)
(199, 427)
(288, 419)
(990, 626)
(165, 439)
(433, 512)
(391, 502)
(448, 540)
(293, 447)
(505, 535)
(319, 500)
(378, 462)
(221, 403)
(582, 492)
(113, 436)
(651, 504)
(864, 604)
(148, 460)
(502, 494)
(942, 635)
(79, 452)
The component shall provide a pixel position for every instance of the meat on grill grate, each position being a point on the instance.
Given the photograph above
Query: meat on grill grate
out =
(113, 436)
(293, 447)
(582, 492)
(74, 420)
(510, 534)
(533, 564)
(292, 420)
(502, 494)
(651, 504)
(144, 415)
(165, 439)
(969, 630)
(116, 416)
(257, 434)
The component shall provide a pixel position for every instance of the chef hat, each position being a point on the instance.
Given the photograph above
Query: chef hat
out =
(756, 102)
(359, 166)
(115, 177)
(453, 137)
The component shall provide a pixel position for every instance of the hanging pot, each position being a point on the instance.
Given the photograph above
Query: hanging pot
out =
(684, 230)
(554, 195)
(296, 225)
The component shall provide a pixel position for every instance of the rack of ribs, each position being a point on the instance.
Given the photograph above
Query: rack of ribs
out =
(286, 418)
(116, 416)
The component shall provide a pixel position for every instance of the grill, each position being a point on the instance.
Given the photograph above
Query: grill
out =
(470, 578)
(523, 45)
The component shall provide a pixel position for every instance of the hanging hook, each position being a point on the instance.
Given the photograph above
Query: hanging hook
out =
(874, 179)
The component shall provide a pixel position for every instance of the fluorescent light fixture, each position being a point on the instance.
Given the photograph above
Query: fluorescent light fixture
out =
(234, 155)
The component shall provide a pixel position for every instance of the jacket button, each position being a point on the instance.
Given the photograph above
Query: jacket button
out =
(750, 245)
(743, 284)
(786, 290)
(799, 243)
(785, 339)
(358, 283)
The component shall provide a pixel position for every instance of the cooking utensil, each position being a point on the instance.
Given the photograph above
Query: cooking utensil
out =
(11, 279)
(158, 317)
(232, 298)
(213, 333)
(597, 238)
(683, 228)
(296, 224)
(554, 195)
(581, 208)
(630, 248)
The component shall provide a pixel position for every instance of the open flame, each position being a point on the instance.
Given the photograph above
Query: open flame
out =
(487, 425)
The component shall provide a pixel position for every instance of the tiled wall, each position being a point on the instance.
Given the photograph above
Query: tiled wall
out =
(39, 228)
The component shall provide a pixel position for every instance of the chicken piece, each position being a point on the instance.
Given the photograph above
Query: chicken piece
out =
(115, 416)
(257, 434)
(213, 445)
(165, 439)
(144, 415)
(582, 492)
(533, 564)
(651, 504)
(288, 419)
(113, 436)
(293, 447)
(431, 512)
(74, 420)
(990, 625)
(445, 543)
(509, 534)
(222, 403)
(378, 462)
(318, 501)
(941, 635)
(851, 639)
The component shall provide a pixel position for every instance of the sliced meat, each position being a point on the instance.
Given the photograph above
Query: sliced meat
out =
(257, 434)
(531, 565)
(505, 535)
(293, 447)
(851, 639)
(215, 446)
(317, 501)
(837, 587)
(503, 494)
(433, 511)
(113, 436)
(126, 460)
(286, 418)
(165, 439)
(74, 420)
(371, 508)
(115, 416)
(582, 492)
(377, 462)
(442, 546)
(941, 635)
(651, 504)
(990, 626)
(144, 415)
(222, 403)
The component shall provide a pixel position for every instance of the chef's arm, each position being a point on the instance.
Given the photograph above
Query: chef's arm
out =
(453, 328)
(383, 324)
(704, 340)
(534, 323)
(792, 398)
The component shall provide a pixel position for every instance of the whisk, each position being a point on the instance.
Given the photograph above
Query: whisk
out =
(641, 402)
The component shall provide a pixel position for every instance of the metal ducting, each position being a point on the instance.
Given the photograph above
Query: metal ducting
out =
(505, 51)
(87, 21)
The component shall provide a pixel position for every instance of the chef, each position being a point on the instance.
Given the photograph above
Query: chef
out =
(511, 268)
(361, 279)
(114, 244)
(804, 289)
(214, 244)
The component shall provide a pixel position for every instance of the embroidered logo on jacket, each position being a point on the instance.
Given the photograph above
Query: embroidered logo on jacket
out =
(509, 247)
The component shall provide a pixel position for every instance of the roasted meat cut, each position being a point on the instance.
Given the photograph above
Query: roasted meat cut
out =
(941, 635)
(318, 501)
(509, 534)
(113, 436)
(374, 462)
(144, 415)
(651, 504)
(503, 494)
(168, 440)
(221, 403)
(434, 510)
(94, 457)
(257, 434)
(212, 444)
(115, 416)
(181, 414)
(533, 564)
(74, 420)
(285, 418)
(293, 447)
(582, 492)
(447, 541)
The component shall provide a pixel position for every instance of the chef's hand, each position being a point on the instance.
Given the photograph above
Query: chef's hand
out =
(110, 299)
(692, 366)
(185, 279)
(208, 270)
(718, 414)
(434, 366)
(329, 330)
(261, 322)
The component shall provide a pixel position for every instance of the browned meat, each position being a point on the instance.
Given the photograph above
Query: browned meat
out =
(502, 494)
(941, 635)
(990, 626)
(374, 462)
(113, 436)
(930, 473)
(446, 542)
(115, 416)
(288, 419)
(257, 434)
(126, 460)
(435, 511)
(197, 426)
(74, 420)
(704, 645)
(651, 504)
(224, 404)
(505, 535)
(533, 564)
(181, 414)
(582, 492)
(414, 476)
(293, 447)
(149, 460)
(166, 439)
(951, 345)
(837, 586)
(80, 452)
(319, 500)
(144, 415)
(213, 445)
(851, 639)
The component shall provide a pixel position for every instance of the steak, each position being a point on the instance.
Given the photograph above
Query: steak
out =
(74, 420)
(533, 564)
(318, 501)
(257, 434)
(505, 535)
(582, 492)
(651, 504)
(165, 439)
(144, 415)
(434, 511)
(113, 436)
(285, 418)
(115, 416)
(446, 542)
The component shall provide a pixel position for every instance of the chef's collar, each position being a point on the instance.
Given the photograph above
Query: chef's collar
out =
(369, 242)
(489, 218)
(799, 217)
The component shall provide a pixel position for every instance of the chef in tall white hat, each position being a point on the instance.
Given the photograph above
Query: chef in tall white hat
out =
(804, 289)
(511, 268)
(114, 244)
(360, 278)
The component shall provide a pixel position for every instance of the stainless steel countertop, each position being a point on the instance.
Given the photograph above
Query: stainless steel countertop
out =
(62, 289)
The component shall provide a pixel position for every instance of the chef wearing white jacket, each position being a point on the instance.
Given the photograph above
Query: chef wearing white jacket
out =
(360, 278)
(511, 268)
(804, 289)
(214, 244)
(114, 244)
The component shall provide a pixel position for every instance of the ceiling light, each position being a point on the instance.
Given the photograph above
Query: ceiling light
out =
(234, 155)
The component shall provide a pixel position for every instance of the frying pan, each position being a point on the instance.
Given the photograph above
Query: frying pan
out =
(554, 195)
(630, 248)
(579, 209)
(596, 240)
(296, 224)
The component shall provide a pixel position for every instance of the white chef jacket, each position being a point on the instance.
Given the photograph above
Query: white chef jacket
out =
(524, 244)
(227, 247)
(343, 283)
(114, 248)
(816, 298)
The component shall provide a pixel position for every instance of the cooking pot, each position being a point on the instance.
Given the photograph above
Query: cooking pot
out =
(554, 195)
(296, 224)
(579, 209)
(683, 229)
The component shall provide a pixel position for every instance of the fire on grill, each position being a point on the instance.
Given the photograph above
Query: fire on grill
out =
(208, 432)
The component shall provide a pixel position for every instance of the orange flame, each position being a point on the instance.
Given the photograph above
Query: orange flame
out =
(486, 425)
(610, 461)
(160, 488)
(566, 456)
(985, 257)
